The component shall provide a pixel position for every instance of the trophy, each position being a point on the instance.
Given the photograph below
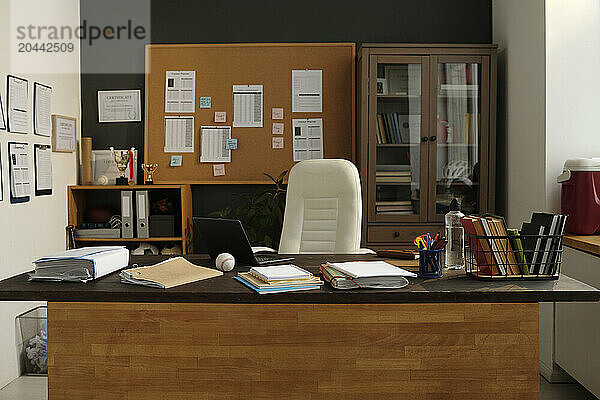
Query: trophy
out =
(122, 158)
(149, 169)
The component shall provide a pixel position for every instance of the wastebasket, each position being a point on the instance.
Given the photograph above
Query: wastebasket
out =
(34, 341)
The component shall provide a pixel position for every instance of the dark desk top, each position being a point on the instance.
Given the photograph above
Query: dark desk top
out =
(454, 287)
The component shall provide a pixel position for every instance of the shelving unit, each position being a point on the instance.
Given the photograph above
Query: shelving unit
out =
(437, 133)
(81, 198)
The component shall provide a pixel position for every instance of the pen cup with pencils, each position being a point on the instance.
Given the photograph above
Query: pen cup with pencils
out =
(430, 263)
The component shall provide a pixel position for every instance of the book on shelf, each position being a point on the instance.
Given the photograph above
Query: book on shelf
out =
(394, 203)
(395, 128)
(392, 173)
(395, 208)
(393, 179)
(393, 167)
(517, 246)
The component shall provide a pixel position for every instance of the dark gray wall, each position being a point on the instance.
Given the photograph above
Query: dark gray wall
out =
(218, 21)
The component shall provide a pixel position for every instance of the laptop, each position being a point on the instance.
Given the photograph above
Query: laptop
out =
(228, 236)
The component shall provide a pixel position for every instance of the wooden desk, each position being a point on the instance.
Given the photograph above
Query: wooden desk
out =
(446, 338)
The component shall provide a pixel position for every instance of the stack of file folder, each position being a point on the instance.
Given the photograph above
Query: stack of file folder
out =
(80, 265)
(279, 279)
(167, 274)
(365, 275)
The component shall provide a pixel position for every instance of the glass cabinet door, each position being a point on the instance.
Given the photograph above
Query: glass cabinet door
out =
(397, 159)
(458, 134)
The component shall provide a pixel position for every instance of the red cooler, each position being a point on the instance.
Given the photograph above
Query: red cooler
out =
(580, 197)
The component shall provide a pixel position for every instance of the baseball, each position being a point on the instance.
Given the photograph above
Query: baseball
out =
(225, 262)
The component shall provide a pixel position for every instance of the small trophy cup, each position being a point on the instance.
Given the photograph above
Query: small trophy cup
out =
(149, 169)
(122, 160)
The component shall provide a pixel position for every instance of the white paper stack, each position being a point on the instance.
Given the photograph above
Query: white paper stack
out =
(365, 274)
(80, 265)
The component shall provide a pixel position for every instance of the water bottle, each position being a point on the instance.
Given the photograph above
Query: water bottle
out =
(455, 234)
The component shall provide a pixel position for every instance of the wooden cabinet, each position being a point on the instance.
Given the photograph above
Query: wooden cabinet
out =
(178, 198)
(426, 136)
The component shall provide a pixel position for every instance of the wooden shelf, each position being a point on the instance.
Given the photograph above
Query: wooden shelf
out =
(397, 144)
(398, 96)
(124, 187)
(152, 239)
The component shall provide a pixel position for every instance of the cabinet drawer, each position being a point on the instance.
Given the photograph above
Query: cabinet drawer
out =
(399, 234)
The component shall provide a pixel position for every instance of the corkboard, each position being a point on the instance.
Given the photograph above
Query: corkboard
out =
(220, 66)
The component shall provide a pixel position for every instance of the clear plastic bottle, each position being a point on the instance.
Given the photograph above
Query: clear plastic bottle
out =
(455, 234)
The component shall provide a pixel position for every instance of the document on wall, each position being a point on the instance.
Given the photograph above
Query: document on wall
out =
(247, 106)
(20, 185)
(65, 133)
(119, 106)
(308, 139)
(307, 90)
(43, 169)
(214, 144)
(17, 104)
(180, 92)
(42, 109)
(2, 122)
(179, 134)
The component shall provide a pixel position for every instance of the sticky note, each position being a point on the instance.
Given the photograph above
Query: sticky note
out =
(277, 113)
(278, 142)
(176, 161)
(231, 144)
(219, 170)
(205, 102)
(220, 116)
(277, 128)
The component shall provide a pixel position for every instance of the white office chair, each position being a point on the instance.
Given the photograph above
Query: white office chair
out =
(323, 210)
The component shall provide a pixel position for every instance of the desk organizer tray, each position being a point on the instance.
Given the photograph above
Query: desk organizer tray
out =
(521, 257)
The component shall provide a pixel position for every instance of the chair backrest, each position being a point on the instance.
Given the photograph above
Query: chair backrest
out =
(323, 208)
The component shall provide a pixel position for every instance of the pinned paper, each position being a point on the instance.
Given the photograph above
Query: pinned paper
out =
(231, 144)
(176, 161)
(277, 128)
(277, 113)
(205, 102)
(278, 142)
(219, 170)
(220, 116)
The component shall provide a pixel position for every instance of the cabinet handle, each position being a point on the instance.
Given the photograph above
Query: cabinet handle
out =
(424, 139)
(433, 138)
(396, 234)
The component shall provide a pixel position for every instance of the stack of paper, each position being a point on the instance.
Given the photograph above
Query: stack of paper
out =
(167, 274)
(278, 279)
(81, 265)
(365, 274)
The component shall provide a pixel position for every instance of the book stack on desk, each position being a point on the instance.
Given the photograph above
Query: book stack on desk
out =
(365, 275)
(279, 279)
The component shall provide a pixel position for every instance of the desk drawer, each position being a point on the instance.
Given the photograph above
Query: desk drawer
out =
(400, 234)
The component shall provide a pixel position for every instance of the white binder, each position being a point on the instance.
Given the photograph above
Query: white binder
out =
(142, 209)
(127, 214)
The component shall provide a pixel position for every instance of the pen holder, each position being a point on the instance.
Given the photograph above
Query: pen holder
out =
(430, 263)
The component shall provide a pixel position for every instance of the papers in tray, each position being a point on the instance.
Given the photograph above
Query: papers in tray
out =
(278, 279)
(365, 274)
(80, 265)
(167, 274)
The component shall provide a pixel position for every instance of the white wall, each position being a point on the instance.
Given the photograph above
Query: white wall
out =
(572, 107)
(35, 228)
(573, 86)
(519, 32)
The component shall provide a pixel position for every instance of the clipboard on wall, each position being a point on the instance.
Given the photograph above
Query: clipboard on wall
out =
(42, 165)
(14, 162)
